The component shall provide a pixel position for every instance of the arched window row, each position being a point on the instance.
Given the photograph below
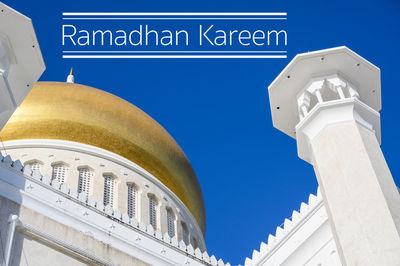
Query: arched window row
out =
(60, 172)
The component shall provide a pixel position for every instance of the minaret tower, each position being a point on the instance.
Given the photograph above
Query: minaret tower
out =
(329, 100)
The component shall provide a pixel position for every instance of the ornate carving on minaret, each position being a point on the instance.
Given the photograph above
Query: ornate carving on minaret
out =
(329, 101)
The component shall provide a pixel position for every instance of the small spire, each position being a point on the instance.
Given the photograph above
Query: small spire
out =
(70, 78)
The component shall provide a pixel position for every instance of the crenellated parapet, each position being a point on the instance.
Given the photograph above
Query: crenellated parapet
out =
(95, 213)
(285, 232)
(112, 180)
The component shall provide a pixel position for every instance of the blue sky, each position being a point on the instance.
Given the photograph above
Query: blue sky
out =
(218, 109)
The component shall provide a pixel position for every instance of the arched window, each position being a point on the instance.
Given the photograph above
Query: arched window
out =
(34, 164)
(60, 172)
(153, 211)
(85, 181)
(171, 222)
(132, 200)
(110, 193)
(185, 233)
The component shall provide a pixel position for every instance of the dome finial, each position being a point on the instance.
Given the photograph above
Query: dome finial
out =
(70, 78)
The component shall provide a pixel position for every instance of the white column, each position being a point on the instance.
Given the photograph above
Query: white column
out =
(359, 193)
(340, 138)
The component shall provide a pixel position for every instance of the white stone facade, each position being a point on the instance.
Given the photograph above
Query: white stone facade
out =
(303, 239)
(69, 203)
(329, 100)
(60, 219)
(49, 154)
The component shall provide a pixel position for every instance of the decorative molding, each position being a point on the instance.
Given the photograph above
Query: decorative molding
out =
(324, 89)
(94, 215)
(286, 229)
(109, 156)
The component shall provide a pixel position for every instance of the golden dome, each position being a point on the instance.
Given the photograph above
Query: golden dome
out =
(74, 112)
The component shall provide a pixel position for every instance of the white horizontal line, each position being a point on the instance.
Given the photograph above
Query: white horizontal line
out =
(174, 13)
(200, 18)
(261, 52)
(174, 56)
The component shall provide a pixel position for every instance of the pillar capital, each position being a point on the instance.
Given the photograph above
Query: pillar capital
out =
(323, 87)
(334, 112)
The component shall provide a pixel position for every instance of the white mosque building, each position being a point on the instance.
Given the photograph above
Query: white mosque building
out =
(87, 178)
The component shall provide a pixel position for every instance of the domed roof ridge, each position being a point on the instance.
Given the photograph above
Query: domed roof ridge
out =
(75, 112)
